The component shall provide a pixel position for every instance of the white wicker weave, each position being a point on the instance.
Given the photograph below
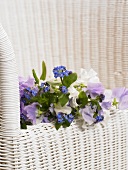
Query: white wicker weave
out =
(75, 33)
(41, 147)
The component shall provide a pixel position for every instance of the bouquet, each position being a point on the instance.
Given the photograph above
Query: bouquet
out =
(68, 97)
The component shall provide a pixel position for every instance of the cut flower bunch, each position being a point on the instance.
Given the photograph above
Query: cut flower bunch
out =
(68, 97)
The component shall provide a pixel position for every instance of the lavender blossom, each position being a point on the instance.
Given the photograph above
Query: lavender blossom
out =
(95, 89)
(23, 84)
(87, 114)
(30, 111)
(121, 96)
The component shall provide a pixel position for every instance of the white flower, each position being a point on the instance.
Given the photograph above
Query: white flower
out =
(65, 109)
(86, 77)
(73, 96)
(90, 76)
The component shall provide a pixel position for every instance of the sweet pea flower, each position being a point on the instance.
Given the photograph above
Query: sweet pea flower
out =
(95, 89)
(107, 102)
(65, 109)
(90, 76)
(73, 96)
(45, 120)
(87, 114)
(30, 111)
(24, 83)
(121, 96)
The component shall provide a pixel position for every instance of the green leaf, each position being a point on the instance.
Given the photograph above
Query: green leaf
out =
(65, 124)
(23, 124)
(57, 125)
(82, 99)
(35, 76)
(95, 102)
(63, 99)
(95, 115)
(43, 76)
(68, 80)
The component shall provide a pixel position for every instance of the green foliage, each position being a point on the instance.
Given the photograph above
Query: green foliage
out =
(68, 80)
(23, 123)
(57, 125)
(82, 99)
(44, 71)
(64, 124)
(35, 76)
(63, 99)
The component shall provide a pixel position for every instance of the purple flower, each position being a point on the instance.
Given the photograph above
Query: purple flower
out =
(106, 105)
(30, 112)
(45, 120)
(25, 84)
(123, 104)
(121, 95)
(95, 89)
(87, 114)
(119, 92)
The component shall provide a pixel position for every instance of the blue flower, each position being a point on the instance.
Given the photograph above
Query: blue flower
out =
(42, 85)
(34, 92)
(101, 97)
(64, 89)
(28, 89)
(66, 73)
(99, 118)
(27, 96)
(60, 71)
(69, 118)
(45, 87)
(23, 116)
(60, 118)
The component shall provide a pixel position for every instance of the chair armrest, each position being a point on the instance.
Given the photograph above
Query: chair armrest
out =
(9, 88)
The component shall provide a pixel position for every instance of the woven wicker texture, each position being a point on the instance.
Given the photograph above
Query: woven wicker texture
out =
(41, 147)
(75, 33)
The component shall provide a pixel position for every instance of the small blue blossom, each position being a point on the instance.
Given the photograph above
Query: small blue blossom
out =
(69, 118)
(42, 85)
(64, 89)
(23, 116)
(66, 73)
(99, 118)
(60, 71)
(23, 100)
(60, 118)
(34, 92)
(27, 96)
(46, 89)
(28, 89)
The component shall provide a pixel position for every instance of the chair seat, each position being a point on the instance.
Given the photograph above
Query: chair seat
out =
(42, 147)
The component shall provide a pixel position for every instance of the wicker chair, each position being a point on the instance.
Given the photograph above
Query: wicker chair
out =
(76, 33)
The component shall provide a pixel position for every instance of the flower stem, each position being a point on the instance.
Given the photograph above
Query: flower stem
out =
(61, 80)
